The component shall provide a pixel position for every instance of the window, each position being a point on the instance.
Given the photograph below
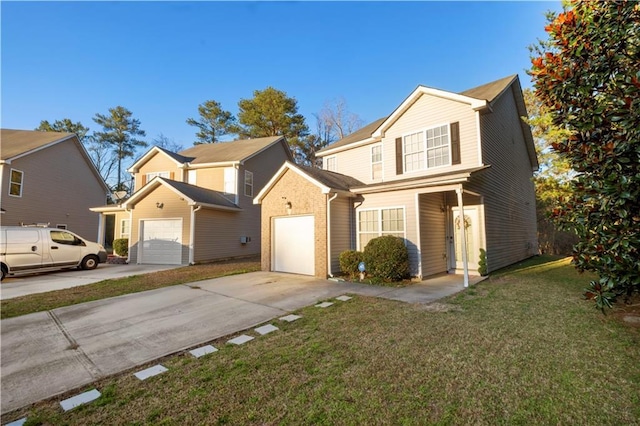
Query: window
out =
(125, 226)
(413, 152)
(61, 226)
(229, 180)
(376, 162)
(379, 222)
(15, 184)
(191, 176)
(159, 174)
(62, 237)
(248, 183)
(331, 164)
(427, 149)
(438, 146)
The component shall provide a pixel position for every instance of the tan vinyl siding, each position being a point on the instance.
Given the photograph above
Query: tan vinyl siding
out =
(356, 163)
(341, 215)
(58, 187)
(405, 199)
(211, 178)
(433, 233)
(217, 235)
(157, 163)
(173, 208)
(510, 216)
(426, 112)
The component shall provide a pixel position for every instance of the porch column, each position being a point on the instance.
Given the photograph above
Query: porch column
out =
(101, 228)
(463, 236)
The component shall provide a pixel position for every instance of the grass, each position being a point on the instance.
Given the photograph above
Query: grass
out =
(117, 287)
(519, 348)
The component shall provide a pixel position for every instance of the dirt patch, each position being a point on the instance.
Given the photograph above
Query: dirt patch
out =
(628, 311)
(440, 307)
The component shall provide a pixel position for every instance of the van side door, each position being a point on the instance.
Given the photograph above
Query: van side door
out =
(24, 248)
(65, 248)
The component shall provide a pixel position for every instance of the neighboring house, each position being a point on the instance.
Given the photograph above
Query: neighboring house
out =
(438, 157)
(48, 177)
(196, 206)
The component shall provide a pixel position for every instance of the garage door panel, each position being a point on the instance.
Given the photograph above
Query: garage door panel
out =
(294, 245)
(162, 242)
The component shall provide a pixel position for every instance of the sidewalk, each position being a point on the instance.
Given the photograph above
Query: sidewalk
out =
(48, 353)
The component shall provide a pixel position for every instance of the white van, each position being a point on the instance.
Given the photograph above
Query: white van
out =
(29, 249)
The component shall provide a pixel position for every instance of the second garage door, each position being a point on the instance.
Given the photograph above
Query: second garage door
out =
(293, 245)
(161, 242)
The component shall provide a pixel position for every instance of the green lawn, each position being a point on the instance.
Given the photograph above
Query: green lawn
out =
(519, 348)
(117, 287)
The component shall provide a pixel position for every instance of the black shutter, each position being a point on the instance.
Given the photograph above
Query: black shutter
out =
(398, 156)
(455, 143)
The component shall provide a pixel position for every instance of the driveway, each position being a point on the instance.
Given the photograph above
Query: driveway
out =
(30, 284)
(48, 353)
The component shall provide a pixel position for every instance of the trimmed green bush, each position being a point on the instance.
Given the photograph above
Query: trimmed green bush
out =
(482, 262)
(387, 258)
(349, 261)
(121, 247)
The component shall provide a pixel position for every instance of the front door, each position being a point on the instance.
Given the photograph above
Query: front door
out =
(472, 228)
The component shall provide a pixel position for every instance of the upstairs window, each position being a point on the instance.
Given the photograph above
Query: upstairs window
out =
(248, 183)
(413, 148)
(159, 174)
(433, 147)
(331, 164)
(15, 184)
(376, 162)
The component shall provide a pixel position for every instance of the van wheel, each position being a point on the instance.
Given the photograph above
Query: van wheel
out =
(89, 262)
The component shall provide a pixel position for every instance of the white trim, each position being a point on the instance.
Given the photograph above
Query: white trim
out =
(209, 165)
(425, 148)
(332, 151)
(381, 162)
(192, 234)
(479, 136)
(329, 200)
(276, 177)
(11, 182)
(476, 104)
(247, 172)
(325, 162)
(463, 237)
(135, 167)
(379, 210)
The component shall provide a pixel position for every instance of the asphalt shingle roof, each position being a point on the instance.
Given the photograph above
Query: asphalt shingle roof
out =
(16, 142)
(199, 194)
(331, 179)
(227, 151)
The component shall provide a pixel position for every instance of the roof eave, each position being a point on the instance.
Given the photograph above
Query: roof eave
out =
(352, 145)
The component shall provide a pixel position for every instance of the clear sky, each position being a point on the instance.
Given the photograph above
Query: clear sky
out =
(161, 59)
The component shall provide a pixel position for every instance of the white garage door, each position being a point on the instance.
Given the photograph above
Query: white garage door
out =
(161, 242)
(293, 245)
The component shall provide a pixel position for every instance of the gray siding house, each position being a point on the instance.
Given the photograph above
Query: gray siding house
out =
(450, 173)
(48, 178)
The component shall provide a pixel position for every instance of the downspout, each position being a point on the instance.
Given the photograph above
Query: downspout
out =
(463, 237)
(329, 200)
(192, 233)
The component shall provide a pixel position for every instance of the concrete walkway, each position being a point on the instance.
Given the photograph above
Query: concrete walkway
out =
(48, 353)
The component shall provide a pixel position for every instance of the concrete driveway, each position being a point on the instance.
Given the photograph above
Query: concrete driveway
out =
(48, 353)
(49, 281)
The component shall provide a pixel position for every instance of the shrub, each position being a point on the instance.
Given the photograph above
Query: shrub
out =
(121, 246)
(387, 258)
(349, 261)
(482, 263)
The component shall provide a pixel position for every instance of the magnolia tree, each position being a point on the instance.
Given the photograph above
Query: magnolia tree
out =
(588, 75)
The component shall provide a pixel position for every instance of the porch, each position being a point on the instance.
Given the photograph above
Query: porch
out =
(431, 289)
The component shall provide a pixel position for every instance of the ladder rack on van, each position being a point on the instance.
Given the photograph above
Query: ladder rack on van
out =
(35, 225)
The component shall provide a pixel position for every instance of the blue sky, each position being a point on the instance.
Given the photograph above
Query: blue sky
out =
(161, 59)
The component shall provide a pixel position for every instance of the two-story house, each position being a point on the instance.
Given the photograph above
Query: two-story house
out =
(196, 206)
(48, 178)
(450, 173)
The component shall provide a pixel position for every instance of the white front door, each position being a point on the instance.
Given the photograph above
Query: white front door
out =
(472, 227)
(293, 247)
(161, 242)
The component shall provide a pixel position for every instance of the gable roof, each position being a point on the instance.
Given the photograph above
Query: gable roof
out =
(325, 180)
(15, 144)
(478, 98)
(193, 195)
(236, 151)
